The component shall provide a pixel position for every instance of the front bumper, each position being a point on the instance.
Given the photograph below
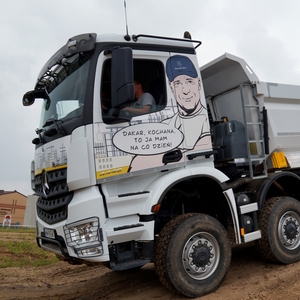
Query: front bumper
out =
(80, 236)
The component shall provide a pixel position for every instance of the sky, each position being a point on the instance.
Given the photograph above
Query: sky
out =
(263, 32)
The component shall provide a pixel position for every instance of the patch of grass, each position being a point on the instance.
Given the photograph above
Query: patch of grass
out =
(17, 229)
(21, 249)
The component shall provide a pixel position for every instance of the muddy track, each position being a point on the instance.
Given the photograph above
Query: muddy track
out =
(249, 277)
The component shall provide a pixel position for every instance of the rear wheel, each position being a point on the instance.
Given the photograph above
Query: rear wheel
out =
(280, 225)
(192, 255)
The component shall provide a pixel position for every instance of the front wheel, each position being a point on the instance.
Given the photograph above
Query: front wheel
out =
(279, 222)
(192, 255)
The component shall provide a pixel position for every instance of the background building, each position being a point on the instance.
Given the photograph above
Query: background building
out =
(13, 204)
(30, 212)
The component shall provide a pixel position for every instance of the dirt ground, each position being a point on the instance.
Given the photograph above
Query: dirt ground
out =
(249, 277)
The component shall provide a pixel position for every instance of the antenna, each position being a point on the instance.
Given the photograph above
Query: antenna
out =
(127, 36)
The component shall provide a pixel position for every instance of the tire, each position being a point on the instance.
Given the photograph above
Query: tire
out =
(192, 255)
(279, 222)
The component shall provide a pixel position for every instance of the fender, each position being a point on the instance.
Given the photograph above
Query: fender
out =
(282, 180)
(160, 187)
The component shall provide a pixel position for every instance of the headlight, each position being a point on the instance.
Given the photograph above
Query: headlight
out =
(84, 237)
(83, 233)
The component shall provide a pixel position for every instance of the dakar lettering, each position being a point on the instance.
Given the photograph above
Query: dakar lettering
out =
(133, 132)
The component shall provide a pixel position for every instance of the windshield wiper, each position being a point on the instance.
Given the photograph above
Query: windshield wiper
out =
(53, 121)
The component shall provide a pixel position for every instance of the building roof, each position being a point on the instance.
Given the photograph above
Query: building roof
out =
(3, 192)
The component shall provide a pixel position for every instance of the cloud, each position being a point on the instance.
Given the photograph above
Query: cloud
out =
(31, 31)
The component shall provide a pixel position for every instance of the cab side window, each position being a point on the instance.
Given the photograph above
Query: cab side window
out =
(149, 73)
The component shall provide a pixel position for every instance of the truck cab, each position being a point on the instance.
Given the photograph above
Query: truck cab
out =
(90, 152)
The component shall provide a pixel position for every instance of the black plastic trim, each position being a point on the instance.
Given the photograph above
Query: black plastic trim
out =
(55, 242)
(136, 37)
(128, 226)
(147, 218)
(207, 154)
(82, 43)
(133, 194)
(266, 130)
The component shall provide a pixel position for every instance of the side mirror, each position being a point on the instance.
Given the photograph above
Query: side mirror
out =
(122, 87)
(29, 97)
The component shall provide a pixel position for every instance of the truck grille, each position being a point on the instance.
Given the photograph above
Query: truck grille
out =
(54, 196)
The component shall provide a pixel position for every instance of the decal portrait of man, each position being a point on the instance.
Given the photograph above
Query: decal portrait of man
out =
(191, 118)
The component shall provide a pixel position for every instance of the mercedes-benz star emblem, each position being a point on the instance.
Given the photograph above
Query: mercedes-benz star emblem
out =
(45, 185)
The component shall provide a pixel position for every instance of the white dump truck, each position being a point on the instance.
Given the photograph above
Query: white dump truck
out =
(209, 161)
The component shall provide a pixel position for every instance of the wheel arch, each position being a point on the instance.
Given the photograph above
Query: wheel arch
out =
(192, 192)
(279, 184)
(161, 186)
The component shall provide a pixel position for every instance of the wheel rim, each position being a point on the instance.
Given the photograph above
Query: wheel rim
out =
(201, 255)
(288, 230)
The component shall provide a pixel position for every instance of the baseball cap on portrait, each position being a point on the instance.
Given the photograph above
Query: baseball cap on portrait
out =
(180, 65)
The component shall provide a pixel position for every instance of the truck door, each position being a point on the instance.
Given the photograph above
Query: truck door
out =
(176, 123)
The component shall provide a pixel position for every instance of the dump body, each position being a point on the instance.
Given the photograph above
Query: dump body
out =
(239, 91)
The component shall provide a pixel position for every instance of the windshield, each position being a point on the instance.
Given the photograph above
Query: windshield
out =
(65, 85)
